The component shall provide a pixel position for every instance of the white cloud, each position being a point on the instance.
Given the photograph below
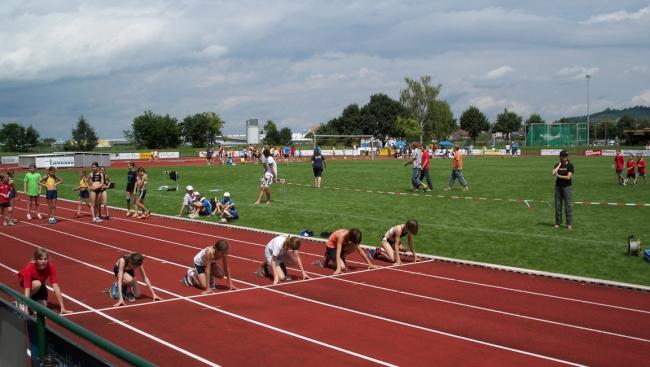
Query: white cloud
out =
(499, 72)
(494, 104)
(577, 72)
(618, 16)
(642, 99)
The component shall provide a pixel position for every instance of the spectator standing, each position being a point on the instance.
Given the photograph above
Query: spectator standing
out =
(424, 171)
(563, 171)
(457, 171)
(640, 168)
(619, 162)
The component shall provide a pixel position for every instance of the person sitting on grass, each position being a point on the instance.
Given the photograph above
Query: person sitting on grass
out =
(202, 275)
(186, 205)
(201, 205)
(340, 244)
(127, 285)
(391, 242)
(227, 209)
(278, 253)
(33, 276)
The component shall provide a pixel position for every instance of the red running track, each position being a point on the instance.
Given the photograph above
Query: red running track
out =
(418, 314)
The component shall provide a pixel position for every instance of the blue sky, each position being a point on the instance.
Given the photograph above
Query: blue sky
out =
(299, 63)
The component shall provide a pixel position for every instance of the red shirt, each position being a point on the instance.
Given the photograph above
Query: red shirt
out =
(4, 192)
(425, 158)
(641, 166)
(620, 161)
(630, 167)
(30, 272)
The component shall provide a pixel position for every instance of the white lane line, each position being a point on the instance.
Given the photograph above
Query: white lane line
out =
(132, 328)
(521, 291)
(418, 327)
(231, 314)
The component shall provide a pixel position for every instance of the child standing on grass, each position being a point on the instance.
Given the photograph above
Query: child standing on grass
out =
(50, 182)
(457, 171)
(33, 190)
(640, 168)
(278, 253)
(206, 269)
(84, 194)
(340, 244)
(141, 185)
(33, 276)
(391, 242)
(127, 285)
(631, 171)
(270, 175)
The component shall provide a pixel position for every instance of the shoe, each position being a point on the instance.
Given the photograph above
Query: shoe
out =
(569, 228)
(39, 216)
(148, 214)
(428, 190)
(129, 297)
(447, 188)
(29, 216)
(141, 216)
(11, 223)
(105, 217)
(128, 213)
(371, 253)
(51, 220)
(466, 188)
(97, 220)
(556, 226)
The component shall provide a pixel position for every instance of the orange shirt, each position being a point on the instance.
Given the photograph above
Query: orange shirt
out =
(458, 160)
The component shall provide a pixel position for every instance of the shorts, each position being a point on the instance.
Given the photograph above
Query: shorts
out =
(12, 194)
(116, 270)
(286, 155)
(84, 194)
(130, 188)
(267, 180)
(98, 191)
(631, 175)
(330, 254)
(5, 205)
(619, 171)
(142, 194)
(200, 269)
(39, 295)
(51, 194)
(268, 256)
(318, 172)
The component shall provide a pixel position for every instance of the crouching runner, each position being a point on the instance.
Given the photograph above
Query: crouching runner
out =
(280, 252)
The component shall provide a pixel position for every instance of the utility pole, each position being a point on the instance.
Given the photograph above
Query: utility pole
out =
(588, 76)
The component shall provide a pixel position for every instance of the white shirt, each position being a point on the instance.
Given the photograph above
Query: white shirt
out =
(275, 248)
(200, 258)
(187, 199)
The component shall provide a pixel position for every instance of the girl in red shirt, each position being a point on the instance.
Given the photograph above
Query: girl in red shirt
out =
(5, 202)
(640, 168)
(33, 276)
(631, 171)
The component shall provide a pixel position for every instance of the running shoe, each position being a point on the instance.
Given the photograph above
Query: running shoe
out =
(371, 253)
(97, 220)
(29, 216)
(11, 223)
(185, 281)
(39, 216)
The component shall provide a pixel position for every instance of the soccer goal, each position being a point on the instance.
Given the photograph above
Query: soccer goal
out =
(346, 145)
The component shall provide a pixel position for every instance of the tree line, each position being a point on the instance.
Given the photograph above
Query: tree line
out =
(418, 114)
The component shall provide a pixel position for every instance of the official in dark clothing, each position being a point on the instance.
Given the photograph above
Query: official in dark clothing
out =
(563, 171)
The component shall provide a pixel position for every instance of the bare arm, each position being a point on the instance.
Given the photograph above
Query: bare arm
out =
(154, 297)
(339, 249)
(365, 257)
(59, 298)
(412, 247)
(302, 270)
(120, 278)
(226, 272)
(208, 271)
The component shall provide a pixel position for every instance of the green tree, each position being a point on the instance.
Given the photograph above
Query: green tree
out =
(201, 129)
(379, 116)
(474, 122)
(83, 138)
(272, 136)
(17, 138)
(285, 136)
(534, 119)
(155, 131)
(408, 127)
(507, 122)
(440, 121)
(419, 99)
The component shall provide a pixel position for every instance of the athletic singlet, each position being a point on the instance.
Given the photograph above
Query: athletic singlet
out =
(97, 177)
(50, 181)
(390, 235)
(130, 177)
(199, 259)
(82, 184)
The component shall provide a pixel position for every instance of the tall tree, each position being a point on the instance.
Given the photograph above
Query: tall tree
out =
(440, 122)
(84, 138)
(285, 136)
(507, 122)
(156, 131)
(272, 136)
(379, 116)
(407, 127)
(201, 129)
(419, 99)
(474, 122)
(17, 138)
(534, 119)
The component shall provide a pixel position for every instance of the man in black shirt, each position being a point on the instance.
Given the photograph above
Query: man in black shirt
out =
(563, 171)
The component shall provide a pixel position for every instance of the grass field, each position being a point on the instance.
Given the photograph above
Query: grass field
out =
(490, 223)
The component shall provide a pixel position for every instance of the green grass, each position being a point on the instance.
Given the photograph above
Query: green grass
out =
(495, 231)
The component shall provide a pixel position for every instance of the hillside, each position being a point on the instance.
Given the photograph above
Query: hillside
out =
(639, 113)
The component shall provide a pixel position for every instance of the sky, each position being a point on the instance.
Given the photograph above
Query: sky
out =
(299, 63)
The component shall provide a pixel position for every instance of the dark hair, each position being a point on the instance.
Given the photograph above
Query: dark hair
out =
(39, 253)
(293, 243)
(221, 246)
(135, 259)
(564, 154)
(2, 177)
(141, 169)
(266, 152)
(354, 236)
(95, 164)
(411, 226)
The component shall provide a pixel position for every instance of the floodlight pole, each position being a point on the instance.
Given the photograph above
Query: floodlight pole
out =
(588, 76)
